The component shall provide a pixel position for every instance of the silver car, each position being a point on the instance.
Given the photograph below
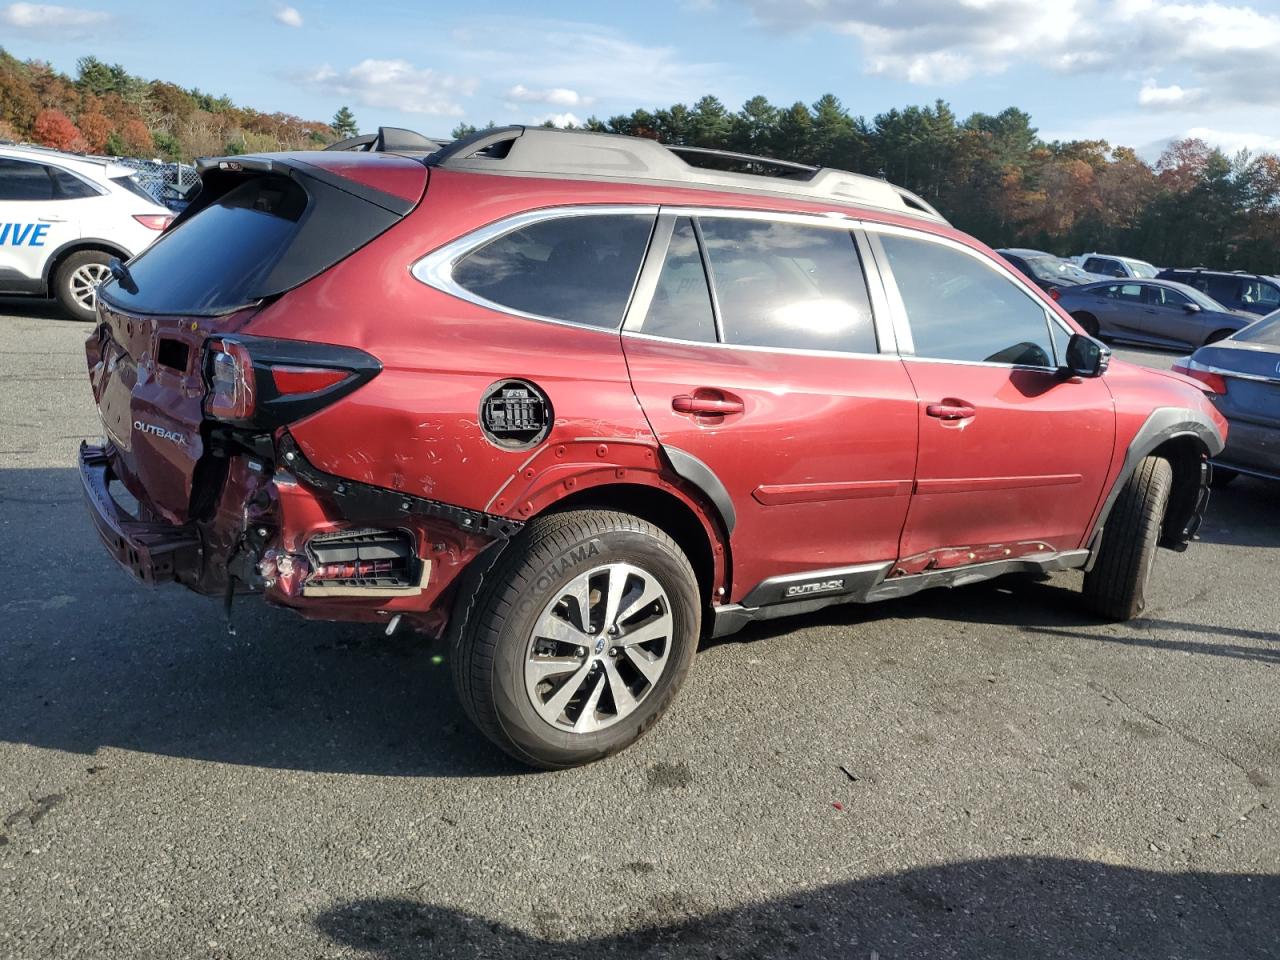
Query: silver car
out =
(1159, 313)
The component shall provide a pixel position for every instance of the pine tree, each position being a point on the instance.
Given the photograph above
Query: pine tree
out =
(344, 123)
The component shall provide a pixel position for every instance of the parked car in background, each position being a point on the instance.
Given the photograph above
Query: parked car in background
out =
(1046, 271)
(1110, 265)
(1254, 293)
(63, 217)
(576, 421)
(1156, 312)
(1243, 371)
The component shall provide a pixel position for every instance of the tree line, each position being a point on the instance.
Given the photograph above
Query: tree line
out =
(990, 174)
(994, 177)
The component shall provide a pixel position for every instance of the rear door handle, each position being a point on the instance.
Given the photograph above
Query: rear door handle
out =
(705, 406)
(951, 410)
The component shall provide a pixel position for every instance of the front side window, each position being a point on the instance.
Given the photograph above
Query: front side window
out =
(788, 285)
(959, 308)
(681, 306)
(1260, 292)
(20, 180)
(1164, 297)
(580, 269)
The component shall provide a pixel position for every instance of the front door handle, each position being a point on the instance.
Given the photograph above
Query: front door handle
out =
(951, 410)
(706, 406)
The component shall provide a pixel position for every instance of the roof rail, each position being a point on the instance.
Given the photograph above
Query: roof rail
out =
(548, 152)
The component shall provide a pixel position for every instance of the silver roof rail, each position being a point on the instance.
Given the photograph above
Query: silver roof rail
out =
(547, 152)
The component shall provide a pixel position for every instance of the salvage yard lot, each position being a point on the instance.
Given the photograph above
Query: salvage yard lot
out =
(980, 772)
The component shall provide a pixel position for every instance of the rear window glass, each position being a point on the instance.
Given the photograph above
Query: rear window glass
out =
(580, 269)
(788, 285)
(131, 184)
(256, 240)
(1266, 331)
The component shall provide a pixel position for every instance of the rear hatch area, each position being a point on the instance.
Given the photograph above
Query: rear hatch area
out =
(259, 227)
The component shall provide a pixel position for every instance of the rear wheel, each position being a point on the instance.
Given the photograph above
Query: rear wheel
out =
(580, 638)
(76, 280)
(1116, 587)
(1088, 321)
(1217, 335)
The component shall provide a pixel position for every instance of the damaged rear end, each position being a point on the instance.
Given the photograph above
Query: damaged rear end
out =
(197, 480)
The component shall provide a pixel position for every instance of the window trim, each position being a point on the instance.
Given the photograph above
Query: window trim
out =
(898, 310)
(637, 310)
(435, 269)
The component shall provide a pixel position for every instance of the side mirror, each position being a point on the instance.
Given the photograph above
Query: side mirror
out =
(1086, 357)
(1191, 307)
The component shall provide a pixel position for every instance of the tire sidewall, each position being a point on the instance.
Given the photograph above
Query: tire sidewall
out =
(520, 722)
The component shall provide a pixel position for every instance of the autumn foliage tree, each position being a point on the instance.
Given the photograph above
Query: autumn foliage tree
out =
(53, 128)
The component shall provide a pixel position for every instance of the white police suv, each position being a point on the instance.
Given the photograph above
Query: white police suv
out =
(63, 218)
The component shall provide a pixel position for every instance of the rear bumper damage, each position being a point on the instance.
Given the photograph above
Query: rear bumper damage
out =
(327, 547)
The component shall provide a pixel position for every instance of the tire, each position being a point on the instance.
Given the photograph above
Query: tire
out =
(1217, 335)
(1088, 321)
(526, 617)
(1222, 476)
(1116, 587)
(73, 279)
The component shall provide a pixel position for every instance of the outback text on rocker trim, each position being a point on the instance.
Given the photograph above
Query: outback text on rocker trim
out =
(575, 401)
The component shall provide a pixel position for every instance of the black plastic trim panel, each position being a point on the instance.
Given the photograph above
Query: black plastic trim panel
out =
(363, 502)
(704, 478)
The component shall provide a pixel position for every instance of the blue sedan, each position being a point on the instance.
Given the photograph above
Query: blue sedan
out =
(1243, 371)
(1159, 313)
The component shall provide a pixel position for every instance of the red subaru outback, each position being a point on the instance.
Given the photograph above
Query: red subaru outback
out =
(578, 400)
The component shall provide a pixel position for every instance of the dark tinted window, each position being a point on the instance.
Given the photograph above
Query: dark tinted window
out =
(133, 186)
(681, 306)
(1098, 265)
(788, 285)
(1165, 297)
(579, 269)
(250, 240)
(20, 180)
(1223, 289)
(961, 309)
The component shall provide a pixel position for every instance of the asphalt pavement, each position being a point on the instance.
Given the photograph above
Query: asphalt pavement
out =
(984, 772)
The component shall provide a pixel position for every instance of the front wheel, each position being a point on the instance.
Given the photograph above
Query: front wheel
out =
(75, 284)
(1116, 587)
(579, 639)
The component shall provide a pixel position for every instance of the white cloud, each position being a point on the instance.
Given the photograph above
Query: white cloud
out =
(289, 17)
(394, 85)
(51, 21)
(555, 96)
(1224, 53)
(576, 57)
(1153, 95)
(560, 119)
(1231, 141)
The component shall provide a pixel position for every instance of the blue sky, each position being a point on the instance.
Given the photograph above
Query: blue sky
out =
(1133, 72)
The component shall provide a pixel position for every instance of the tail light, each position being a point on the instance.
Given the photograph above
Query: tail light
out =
(264, 383)
(1055, 293)
(153, 221)
(1213, 382)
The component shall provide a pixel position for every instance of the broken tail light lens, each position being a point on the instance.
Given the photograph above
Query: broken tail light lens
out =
(1214, 383)
(232, 393)
(153, 221)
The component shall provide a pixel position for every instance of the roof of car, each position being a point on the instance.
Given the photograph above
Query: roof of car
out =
(76, 161)
(1220, 273)
(583, 155)
(1027, 252)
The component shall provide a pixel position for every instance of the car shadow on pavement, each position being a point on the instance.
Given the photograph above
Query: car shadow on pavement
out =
(1007, 907)
(1244, 514)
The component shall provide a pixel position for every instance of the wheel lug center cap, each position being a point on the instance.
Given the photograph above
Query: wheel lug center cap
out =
(599, 646)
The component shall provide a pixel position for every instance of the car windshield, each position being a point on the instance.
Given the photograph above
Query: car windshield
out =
(1142, 269)
(1265, 331)
(1051, 268)
(1205, 301)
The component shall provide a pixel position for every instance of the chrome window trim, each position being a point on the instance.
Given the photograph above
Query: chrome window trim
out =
(435, 269)
(903, 327)
(633, 324)
(1234, 375)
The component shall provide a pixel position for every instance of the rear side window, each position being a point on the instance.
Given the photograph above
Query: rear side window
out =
(69, 187)
(1223, 289)
(1099, 265)
(681, 305)
(788, 285)
(961, 309)
(255, 239)
(580, 269)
